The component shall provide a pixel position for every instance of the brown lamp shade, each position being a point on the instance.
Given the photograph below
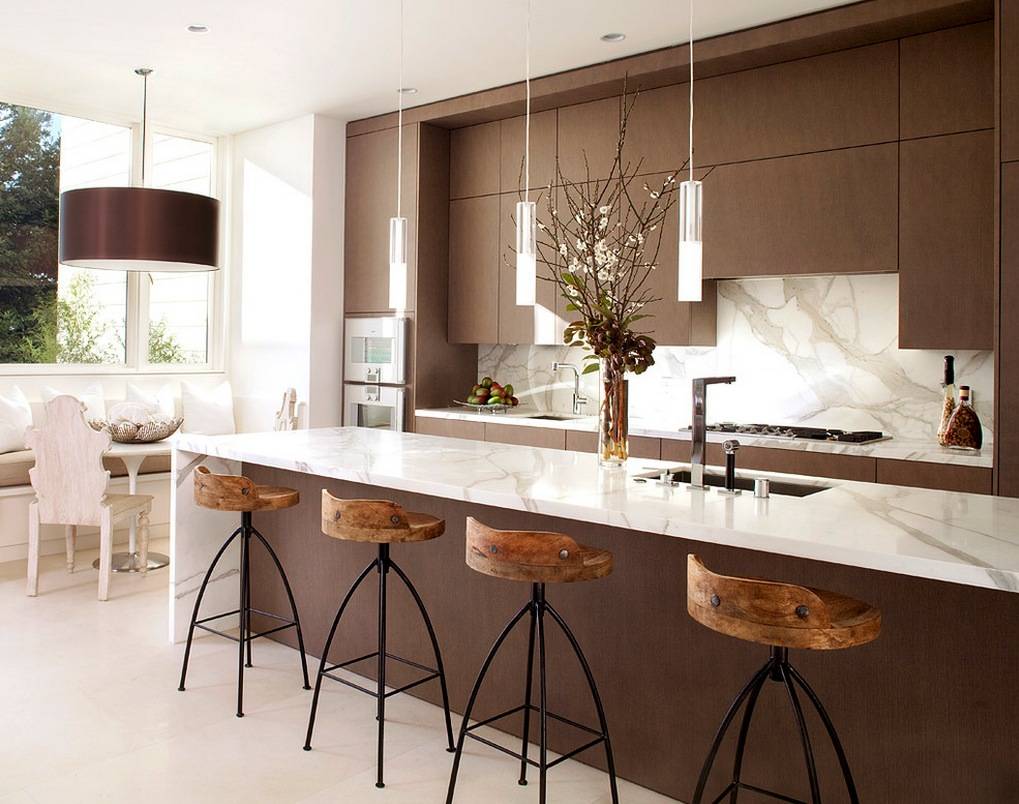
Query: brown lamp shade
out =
(139, 229)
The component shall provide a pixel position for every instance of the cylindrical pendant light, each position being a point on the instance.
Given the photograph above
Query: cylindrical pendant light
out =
(690, 216)
(139, 228)
(398, 225)
(527, 213)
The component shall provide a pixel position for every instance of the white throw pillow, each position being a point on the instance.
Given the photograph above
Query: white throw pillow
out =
(15, 419)
(163, 402)
(92, 398)
(207, 411)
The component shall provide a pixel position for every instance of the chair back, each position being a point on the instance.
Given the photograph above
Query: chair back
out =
(362, 520)
(488, 549)
(68, 477)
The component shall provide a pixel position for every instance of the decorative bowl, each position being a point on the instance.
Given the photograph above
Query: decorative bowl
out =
(483, 408)
(134, 433)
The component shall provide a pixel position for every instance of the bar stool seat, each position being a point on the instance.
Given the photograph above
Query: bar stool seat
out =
(782, 616)
(384, 523)
(535, 557)
(239, 494)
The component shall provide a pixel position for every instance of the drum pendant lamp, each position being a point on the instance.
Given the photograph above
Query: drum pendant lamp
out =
(139, 228)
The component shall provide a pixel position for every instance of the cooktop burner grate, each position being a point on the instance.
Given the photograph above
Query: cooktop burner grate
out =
(799, 432)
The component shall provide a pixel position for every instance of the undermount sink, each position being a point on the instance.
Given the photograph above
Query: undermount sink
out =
(556, 417)
(785, 488)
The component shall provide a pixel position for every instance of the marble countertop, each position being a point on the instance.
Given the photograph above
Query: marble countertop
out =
(896, 449)
(960, 538)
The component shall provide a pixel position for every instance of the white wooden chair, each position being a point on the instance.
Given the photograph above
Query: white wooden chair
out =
(70, 490)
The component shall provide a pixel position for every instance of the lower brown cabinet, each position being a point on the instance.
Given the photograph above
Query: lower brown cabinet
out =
(945, 476)
(525, 436)
(451, 428)
(640, 446)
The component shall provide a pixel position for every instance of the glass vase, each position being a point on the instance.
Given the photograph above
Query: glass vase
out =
(613, 417)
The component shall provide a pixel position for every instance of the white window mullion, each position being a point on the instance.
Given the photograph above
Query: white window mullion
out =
(134, 328)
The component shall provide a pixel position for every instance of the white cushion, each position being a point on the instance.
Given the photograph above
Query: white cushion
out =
(91, 398)
(207, 411)
(163, 402)
(15, 419)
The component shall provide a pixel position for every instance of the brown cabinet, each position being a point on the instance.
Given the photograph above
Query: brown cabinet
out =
(524, 324)
(543, 149)
(525, 436)
(787, 461)
(474, 256)
(640, 446)
(588, 133)
(837, 100)
(1006, 431)
(657, 133)
(825, 213)
(1008, 19)
(474, 160)
(947, 81)
(451, 428)
(946, 476)
(371, 180)
(946, 242)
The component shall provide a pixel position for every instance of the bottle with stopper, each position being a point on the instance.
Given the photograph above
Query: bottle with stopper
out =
(964, 430)
(948, 401)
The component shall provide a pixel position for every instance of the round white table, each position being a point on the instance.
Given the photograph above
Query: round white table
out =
(133, 455)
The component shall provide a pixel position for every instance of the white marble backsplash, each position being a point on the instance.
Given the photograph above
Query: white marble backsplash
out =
(812, 350)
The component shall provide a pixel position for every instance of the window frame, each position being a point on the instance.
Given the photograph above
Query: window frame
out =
(137, 302)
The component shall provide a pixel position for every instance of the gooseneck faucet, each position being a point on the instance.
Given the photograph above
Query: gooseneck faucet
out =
(699, 431)
(579, 400)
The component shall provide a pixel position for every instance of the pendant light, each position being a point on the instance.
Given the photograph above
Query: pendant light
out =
(527, 213)
(690, 210)
(398, 225)
(139, 228)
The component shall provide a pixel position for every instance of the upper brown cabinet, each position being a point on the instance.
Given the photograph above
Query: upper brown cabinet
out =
(657, 131)
(370, 190)
(837, 100)
(1008, 20)
(946, 250)
(524, 324)
(474, 160)
(947, 80)
(588, 133)
(543, 146)
(826, 213)
(474, 257)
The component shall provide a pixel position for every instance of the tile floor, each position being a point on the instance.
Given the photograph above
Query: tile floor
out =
(90, 712)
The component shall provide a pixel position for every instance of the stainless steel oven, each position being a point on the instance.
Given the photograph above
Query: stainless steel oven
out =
(377, 406)
(375, 350)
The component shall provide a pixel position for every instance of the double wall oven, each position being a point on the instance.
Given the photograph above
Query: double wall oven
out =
(375, 372)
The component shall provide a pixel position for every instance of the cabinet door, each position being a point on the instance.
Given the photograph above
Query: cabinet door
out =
(474, 160)
(946, 249)
(371, 180)
(1008, 14)
(474, 270)
(525, 436)
(657, 134)
(450, 428)
(588, 133)
(543, 149)
(825, 213)
(528, 325)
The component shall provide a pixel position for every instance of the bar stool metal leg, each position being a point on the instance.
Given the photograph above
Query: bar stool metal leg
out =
(741, 743)
(325, 651)
(247, 602)
(245, 545)
(539, 614)
(527, 701)
(808, 752)
(198, 603)
(383, 565)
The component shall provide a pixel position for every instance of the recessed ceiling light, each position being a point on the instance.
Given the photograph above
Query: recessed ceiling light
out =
(409, 90)
(613, 37)
(198, 28)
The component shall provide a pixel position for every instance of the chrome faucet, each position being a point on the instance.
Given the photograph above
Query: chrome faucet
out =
(579, 400)
(699, 430)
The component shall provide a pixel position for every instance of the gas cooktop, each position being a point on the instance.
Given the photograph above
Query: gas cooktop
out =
(788, 431)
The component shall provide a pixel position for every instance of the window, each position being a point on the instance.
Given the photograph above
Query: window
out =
(56, 314)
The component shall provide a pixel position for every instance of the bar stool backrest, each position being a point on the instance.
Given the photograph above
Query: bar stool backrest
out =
(508, 553)
(362, 520)
(739, 606)
(68, 477)
(224, 492)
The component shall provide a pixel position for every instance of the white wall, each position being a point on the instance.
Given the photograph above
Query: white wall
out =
(285, 293)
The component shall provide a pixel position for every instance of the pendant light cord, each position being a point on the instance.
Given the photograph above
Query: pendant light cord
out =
(691, 90)
(399, 121)
(145, 115)
(527, 115)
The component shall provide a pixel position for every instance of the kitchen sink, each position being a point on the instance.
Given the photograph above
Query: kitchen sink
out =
(556, 417)
(785, 488)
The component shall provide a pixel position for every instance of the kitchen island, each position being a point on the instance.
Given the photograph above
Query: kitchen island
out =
(939, 565)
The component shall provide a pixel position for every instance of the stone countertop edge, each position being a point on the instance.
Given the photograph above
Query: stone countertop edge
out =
(900, 449)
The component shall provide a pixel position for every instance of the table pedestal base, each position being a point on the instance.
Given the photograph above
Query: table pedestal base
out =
(129, 562)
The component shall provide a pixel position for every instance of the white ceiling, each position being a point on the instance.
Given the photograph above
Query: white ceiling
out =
(269, 60)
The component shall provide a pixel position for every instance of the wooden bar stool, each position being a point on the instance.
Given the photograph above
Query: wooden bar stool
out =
(536, 558)
(782, 616)
(235, 493)
(383, 523)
